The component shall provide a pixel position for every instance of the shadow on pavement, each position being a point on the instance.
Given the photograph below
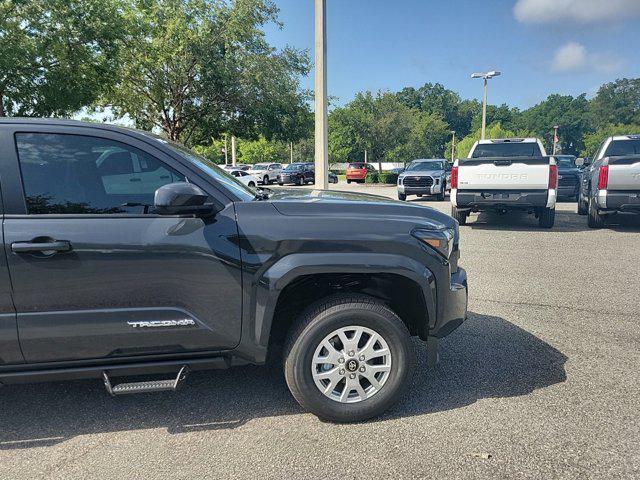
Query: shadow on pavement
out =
(487, 357)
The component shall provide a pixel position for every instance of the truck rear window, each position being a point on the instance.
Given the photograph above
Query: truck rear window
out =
(621, 148)
(488, 150)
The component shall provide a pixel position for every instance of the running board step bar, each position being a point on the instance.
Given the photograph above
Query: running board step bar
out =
(171, 384)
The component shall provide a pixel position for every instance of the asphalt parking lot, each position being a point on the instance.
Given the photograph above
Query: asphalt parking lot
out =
(542, 381)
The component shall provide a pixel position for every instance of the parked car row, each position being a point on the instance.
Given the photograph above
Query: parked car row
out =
(299, 173)
(504, 175)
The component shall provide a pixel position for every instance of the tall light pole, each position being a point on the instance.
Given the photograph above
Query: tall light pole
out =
(453, 146)
(486, 76)
(321, 131)
(555, 138)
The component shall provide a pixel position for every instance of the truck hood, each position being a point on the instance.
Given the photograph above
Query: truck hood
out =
(305, 202)
(430, 173)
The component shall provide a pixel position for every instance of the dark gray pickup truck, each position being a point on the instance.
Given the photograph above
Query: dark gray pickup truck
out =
(126, 255)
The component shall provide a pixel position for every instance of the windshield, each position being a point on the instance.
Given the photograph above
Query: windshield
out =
(621, 148)
(425, 166)
(221, 176)
(489, 150)
(260, 166)
(566, 161)
(293, 167)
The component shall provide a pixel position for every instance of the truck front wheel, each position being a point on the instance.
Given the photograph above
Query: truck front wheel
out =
(348, 358)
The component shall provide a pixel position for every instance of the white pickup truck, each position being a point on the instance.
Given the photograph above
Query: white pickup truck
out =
(612, 183)
(504, 175)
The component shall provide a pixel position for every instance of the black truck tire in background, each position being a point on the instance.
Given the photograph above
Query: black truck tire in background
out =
(547, 217)
(461, 217)
(321, 319)
(594, 220)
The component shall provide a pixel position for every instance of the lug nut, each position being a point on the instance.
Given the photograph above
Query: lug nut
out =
(341, 371)
(351, 353)
(362, 369)
(341, 360)
(361, 358)
(353, 375)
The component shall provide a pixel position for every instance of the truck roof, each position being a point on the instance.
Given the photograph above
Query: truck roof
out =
(626, 137)
(509, 140)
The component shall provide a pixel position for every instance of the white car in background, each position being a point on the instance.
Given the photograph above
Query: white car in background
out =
(266, 172)
(245, 177)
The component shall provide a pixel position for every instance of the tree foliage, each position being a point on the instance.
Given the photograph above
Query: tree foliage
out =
(617, 103)
(495, 130)
(593, 140)
(202, 67)
(386, 127)
(57, 56)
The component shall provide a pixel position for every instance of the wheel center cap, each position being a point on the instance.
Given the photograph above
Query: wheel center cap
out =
(352, 365)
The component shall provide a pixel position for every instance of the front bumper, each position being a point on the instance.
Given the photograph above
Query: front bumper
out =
(454, 305)
(432, 190)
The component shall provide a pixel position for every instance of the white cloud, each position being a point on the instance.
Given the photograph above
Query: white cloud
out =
(574, 57)
(582, 11)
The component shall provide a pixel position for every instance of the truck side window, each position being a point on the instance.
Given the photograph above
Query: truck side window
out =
(76, 174)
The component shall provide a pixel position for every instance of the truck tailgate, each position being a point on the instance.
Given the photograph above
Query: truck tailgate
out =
(529, 173)
(624, 173)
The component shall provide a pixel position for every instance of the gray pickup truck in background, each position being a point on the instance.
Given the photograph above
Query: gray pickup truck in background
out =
(611, 184)
(424, 177)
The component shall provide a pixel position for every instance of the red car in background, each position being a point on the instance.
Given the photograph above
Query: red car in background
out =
(356, 172)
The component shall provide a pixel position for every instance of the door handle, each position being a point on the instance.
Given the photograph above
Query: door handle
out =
(27, 247)
(135, 179)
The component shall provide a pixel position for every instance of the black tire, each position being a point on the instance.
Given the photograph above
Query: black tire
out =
(441, 196)
(583, 207)
(300, 181)
(547, 217)
(321, 319)
(265, 180)
(348, 181)
(461, 217)
(402, 197)
(280, 183)
(594, 220)
(251, 184)
(419, 195)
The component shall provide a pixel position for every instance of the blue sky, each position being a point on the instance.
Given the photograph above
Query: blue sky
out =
(541, 46)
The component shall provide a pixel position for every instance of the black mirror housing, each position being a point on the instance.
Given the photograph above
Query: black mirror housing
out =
(181, 198)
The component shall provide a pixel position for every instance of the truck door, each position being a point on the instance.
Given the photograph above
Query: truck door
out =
(95, 272)
(9, 346)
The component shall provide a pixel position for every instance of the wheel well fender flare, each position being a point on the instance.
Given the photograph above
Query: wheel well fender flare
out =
(269, 285)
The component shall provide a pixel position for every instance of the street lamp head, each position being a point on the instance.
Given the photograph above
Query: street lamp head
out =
(487, 75)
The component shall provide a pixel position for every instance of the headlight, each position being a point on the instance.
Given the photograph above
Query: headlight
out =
(441, 240)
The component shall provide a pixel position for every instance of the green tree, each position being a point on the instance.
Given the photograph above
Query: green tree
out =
(57, 56)
(593, 140)
(617, 103)
(262, 150)
(495, 130)
(200, 68)
(571, 114)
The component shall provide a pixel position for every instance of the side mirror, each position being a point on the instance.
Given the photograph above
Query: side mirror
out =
(181, 198)
(580, 162)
